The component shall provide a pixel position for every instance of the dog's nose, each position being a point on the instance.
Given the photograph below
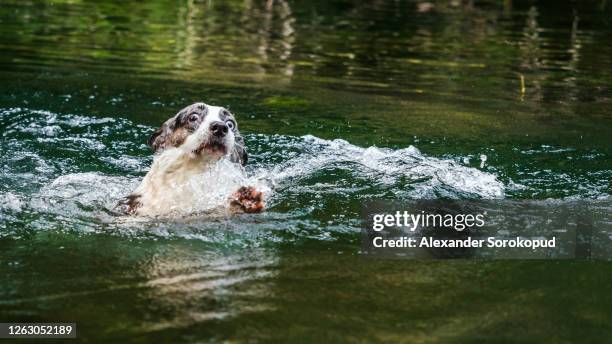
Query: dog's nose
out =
(218, 128)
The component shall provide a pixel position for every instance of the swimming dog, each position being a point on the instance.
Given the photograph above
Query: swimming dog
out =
(186, 146)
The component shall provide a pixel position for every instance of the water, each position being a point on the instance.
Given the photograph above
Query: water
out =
(340, 103)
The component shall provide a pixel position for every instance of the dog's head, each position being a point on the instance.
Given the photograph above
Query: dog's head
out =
(204, 130)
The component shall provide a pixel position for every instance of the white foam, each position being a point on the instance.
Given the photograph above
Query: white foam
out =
(76, 191)
(10, 201)
(386, 166)
(212, 188)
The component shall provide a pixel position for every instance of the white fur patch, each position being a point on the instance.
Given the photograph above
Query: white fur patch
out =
(179, 184)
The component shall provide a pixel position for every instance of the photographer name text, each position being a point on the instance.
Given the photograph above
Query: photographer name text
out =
(469, 242)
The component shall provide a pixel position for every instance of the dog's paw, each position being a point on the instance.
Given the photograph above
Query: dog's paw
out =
(247, 199)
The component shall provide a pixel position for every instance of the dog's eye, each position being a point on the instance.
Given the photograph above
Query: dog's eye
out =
(193, 118)
(230, 124)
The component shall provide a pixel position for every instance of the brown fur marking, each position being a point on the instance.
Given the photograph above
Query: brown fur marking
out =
(248, 199)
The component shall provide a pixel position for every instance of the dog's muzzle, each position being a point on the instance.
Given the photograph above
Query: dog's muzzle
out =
(217, 142)
(218, 129)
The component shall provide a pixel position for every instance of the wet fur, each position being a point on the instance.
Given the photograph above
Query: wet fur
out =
(184, 149)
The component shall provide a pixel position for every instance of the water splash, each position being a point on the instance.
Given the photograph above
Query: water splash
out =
(66, 172)
(401, 172)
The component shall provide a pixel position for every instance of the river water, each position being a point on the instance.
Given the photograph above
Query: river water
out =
(340, 102)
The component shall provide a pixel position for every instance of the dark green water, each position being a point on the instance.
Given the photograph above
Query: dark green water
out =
(341, 102)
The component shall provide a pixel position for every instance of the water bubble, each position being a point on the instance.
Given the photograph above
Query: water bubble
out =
(483, 159)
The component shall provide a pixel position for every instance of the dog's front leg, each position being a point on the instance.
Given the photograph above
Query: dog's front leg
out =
(247, 199)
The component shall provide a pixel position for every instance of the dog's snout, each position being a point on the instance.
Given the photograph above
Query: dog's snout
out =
(218, 129)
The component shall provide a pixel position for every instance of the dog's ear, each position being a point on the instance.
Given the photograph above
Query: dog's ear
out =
(239, 154)
(160, 139)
